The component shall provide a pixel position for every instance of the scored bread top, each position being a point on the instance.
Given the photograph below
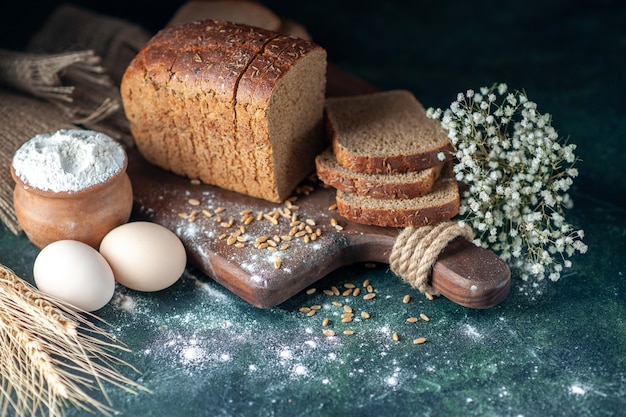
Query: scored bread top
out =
(385, 186)
(385, 132)
(184, 53)
(442, 203)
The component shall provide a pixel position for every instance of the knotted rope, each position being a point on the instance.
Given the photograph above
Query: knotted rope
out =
(416, 250)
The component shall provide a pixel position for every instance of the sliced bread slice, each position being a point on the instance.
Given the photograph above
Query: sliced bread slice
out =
(384, 186)
(442, 203)
(384, 132)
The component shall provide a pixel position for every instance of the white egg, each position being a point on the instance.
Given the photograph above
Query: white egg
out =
(144, 256)
(76, 273)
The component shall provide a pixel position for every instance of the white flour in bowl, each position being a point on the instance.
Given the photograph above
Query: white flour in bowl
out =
(68, 160)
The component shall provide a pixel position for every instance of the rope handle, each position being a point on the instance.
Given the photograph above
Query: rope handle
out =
(416, 250)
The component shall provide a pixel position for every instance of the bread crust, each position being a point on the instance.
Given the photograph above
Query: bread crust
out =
(380, 186)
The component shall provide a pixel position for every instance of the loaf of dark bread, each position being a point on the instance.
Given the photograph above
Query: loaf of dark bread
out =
(232, 105)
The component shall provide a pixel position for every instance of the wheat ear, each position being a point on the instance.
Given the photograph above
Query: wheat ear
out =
(52, 355)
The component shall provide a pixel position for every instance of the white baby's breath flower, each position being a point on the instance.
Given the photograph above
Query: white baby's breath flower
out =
(518, 173)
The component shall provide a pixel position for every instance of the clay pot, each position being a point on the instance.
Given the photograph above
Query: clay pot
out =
(86, 215)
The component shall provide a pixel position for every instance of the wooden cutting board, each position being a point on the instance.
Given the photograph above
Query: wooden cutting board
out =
(208, 219)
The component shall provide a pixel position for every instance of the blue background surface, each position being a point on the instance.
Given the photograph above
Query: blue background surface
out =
(553, 349)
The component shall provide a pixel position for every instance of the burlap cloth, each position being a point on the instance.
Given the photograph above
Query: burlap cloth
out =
(68, 78)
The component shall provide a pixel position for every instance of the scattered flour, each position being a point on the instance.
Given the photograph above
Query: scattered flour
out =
(392, 381)
(300, 370)
(68, 160)
(213, 335)
(471, 332)
(286, 354)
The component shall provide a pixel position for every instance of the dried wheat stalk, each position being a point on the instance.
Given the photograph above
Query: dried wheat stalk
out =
(52, 355)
